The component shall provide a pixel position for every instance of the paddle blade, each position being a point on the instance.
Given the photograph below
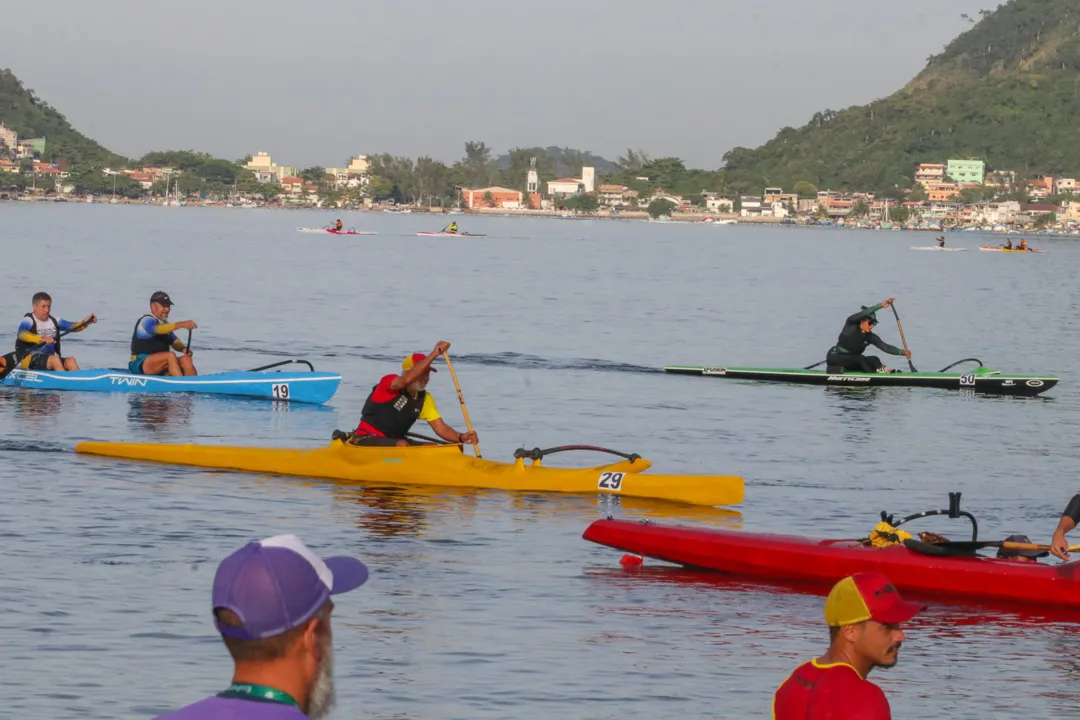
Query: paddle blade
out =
(7, 364)
(947, 550)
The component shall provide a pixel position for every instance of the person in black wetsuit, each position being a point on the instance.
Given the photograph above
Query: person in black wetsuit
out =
(941, 241)
(847, 354)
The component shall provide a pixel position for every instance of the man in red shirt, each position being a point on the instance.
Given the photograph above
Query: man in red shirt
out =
(398, 401)
(864, 612)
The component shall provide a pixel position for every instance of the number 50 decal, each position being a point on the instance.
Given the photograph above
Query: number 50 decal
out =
(967, 380)
(610, 480)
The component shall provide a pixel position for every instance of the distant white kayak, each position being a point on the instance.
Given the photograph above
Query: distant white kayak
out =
(935, 247)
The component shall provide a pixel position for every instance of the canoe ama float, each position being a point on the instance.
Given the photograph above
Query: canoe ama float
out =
(982, 380)
(305, 387)
(791, 558)
(440, 465)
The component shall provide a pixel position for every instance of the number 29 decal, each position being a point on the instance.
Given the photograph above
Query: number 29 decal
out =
(610, 480)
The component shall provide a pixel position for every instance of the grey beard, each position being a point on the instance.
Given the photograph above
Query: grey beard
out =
(322, 698)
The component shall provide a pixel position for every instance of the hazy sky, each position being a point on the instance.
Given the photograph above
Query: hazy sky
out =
(314, 82)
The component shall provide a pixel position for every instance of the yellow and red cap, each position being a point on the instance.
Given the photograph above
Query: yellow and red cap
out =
(867, 596)
(413, 360)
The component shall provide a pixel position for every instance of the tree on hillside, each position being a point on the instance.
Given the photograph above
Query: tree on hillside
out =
(659, 207)
(489, 199)
(379, 187)
(431, 180)
(314, 174)
(582, 203)
(574, 161)
(1045, 220)
(805, 189)
(633, 161)
(477, 163)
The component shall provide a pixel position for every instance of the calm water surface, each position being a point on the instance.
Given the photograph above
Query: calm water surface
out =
(487, 604)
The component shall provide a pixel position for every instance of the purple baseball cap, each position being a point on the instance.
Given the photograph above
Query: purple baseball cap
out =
(277, 584)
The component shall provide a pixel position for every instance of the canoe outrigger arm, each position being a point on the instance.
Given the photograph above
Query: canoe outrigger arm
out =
(283, 362)
(536, 454)
(954, 512)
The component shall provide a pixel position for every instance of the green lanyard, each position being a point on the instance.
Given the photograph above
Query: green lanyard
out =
(247, 691)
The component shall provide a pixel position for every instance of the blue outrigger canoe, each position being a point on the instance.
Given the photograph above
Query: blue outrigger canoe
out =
(306, 387)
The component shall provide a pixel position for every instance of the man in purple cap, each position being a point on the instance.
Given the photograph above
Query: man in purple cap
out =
(271, 604)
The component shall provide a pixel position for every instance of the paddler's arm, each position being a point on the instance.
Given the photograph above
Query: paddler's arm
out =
(67, 326)
(863, 314)
(1058, 546)
(416, 371)
(449, 434)
(884, 346)
(27, 336)
(430, 413)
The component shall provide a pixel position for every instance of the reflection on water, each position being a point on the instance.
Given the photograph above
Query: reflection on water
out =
(393, 510)
(31, 405)
(150, 412)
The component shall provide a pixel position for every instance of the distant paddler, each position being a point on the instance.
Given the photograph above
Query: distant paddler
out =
(451, 229)
(858, 333)
(37, 345)
(154, 339)
(1023, 245)
(941, 241)
(398, 401)
(338, 225)
(1007, 245)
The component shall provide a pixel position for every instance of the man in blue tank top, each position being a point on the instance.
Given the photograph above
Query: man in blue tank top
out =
(271, 605)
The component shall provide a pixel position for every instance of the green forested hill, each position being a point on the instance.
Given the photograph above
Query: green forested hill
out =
(25, 113)
(1006, 91)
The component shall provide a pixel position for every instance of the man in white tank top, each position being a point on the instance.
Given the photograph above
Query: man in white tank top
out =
(37, 346)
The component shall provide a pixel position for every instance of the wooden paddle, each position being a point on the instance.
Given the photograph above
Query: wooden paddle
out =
(902, 339)
(461, 399)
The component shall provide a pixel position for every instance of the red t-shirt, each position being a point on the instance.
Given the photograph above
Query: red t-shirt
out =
(829, 692)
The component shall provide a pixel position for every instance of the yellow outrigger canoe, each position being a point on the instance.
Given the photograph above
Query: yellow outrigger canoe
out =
(441, 465)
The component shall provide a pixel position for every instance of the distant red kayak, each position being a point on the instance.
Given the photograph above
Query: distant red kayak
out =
(336, 232)
(792, 558)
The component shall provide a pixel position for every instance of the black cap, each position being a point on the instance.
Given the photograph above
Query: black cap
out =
(1011, 552)
(872, 317)
(161, 297)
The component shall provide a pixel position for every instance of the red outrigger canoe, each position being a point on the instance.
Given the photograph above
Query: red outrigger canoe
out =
(790, 558)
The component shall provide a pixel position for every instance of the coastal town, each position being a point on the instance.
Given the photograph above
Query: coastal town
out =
(955, 194)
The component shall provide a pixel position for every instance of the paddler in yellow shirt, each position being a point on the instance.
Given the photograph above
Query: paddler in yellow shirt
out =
(398, 401)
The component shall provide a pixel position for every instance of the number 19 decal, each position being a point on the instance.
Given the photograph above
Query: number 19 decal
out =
(610, 480)
(280, 391)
